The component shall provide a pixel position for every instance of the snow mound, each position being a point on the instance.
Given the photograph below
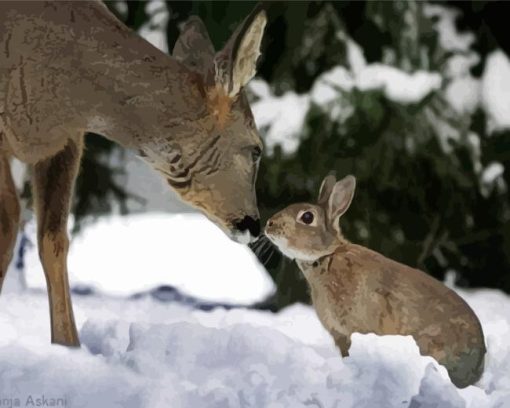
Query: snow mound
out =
(123, 255)
(143, 353)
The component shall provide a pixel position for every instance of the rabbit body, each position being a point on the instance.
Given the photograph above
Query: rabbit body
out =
(355, 289)
(358, 290)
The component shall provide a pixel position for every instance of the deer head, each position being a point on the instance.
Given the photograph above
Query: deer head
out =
(212, 159)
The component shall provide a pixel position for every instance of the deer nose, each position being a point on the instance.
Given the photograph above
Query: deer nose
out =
(248, 223)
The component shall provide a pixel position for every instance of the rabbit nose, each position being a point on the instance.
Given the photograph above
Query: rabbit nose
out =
(248, 223)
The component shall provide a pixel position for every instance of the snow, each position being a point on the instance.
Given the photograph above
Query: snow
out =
(450, 38)
(19, 172)
(145, 353)
(327, 87)
(473, 143)
(496, 89)
(491, 177)
(355, 57)
(260, 88)
(492, 172)
(459, 65)
(123, 255)
(463, 94)
(120, 7)
(463, 91)
(397, 85)
(154, 30)
(283, 117)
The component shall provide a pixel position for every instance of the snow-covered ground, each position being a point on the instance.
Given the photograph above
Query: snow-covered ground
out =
(145, 353)
(142, 352)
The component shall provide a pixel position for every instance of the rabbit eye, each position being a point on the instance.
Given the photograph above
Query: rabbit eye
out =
(307, 217)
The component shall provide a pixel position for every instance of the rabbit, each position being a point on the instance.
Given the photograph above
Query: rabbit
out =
(355, 289)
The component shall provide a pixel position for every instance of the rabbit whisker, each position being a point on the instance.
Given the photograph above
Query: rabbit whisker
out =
(271, 254)
(266, 249)
(262, 246)
(258, 243)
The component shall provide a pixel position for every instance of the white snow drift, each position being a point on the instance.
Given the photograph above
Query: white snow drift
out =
(143, 353)
(140, 352)
(123, 255)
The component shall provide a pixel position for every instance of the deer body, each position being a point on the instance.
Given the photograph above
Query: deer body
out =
(67, 68)
(355, 289)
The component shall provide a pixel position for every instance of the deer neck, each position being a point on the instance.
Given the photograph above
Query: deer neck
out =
(137, 92)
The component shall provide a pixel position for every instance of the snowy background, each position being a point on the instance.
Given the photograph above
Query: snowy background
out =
(162, 298)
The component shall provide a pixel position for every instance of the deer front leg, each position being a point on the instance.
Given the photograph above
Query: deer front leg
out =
(53, 186)
(9, 216)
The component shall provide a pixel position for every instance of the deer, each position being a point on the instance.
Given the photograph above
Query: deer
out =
(69, 68)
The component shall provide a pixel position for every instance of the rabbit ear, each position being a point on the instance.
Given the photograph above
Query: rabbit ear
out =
(326, 188)
(340, 199)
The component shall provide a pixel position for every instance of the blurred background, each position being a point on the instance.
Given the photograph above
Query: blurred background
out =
(411, 97)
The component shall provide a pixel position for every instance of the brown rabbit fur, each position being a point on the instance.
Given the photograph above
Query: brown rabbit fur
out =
(355, 289)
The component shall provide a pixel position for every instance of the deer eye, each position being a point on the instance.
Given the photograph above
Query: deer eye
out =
(307, 217)
(256, 152)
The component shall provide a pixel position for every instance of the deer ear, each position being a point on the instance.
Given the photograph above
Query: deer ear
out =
(326, 189)
(194, 47)
(236, 64)
(340, 199)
